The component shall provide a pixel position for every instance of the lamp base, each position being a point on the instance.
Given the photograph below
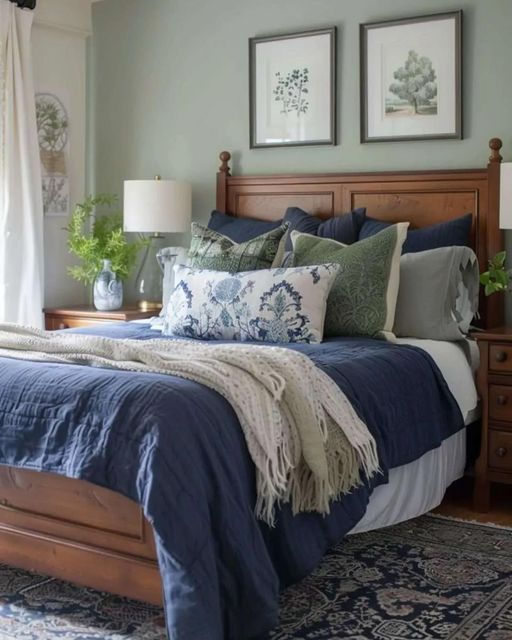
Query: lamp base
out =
(146, 305)
(148, 282)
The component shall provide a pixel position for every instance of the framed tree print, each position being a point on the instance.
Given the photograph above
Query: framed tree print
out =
(293, 89)
(411, 78)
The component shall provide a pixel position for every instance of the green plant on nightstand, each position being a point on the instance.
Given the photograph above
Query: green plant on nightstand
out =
(497, 277)
(101, 245)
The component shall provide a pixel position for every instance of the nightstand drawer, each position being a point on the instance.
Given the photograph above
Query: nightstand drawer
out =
(500, 450)
(57, 323)
(500, 357)
(85, 316)
(500, 402)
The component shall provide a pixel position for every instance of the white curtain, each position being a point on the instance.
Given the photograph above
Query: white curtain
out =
(21, 207)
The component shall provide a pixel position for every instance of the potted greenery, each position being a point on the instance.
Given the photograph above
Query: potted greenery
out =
(107, 258)
(497, 277)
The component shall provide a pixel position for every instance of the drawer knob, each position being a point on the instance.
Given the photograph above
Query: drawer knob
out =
(502, 400)
(63, 325)
(501, 452)
(501, 356)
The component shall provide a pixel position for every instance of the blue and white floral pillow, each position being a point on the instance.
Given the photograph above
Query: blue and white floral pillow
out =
(268, 305)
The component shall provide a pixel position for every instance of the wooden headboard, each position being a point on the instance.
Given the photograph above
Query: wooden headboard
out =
(420, 197)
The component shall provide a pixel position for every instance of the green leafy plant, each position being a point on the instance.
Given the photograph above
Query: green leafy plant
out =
(497, 277)
(292, 91)
(94, 239)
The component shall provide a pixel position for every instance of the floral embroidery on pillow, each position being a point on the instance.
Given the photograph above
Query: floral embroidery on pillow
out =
(273, 305)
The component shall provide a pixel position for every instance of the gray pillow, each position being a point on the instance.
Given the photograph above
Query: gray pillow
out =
(438, 294)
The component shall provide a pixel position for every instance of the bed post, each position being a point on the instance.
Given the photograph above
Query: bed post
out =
(222, 181)
(495, 307)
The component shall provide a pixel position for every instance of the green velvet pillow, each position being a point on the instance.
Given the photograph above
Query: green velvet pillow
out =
(363, 298)
(211, 250)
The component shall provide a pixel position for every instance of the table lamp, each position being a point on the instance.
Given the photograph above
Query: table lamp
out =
(506, 195)
(155, 207)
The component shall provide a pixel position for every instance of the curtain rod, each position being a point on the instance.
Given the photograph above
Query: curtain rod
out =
(25, 4)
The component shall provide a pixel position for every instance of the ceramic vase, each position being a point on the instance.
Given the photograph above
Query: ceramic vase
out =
(108, 290)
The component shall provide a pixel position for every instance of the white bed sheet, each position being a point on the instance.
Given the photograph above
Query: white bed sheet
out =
(419, 487)
(452, 360)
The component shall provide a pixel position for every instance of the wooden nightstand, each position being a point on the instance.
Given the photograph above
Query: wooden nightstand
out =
(86, 316)
(495, 387)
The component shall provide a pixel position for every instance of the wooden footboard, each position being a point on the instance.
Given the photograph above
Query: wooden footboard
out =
(77, 531)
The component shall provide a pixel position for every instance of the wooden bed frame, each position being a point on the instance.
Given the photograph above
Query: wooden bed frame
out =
(92, 536)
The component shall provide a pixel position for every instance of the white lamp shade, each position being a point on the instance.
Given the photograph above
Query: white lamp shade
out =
(506, 195)
(157, 206)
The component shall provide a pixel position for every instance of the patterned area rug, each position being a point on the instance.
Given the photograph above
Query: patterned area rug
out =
(428, 579)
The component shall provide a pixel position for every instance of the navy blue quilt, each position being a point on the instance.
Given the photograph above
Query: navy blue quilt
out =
(176, 447)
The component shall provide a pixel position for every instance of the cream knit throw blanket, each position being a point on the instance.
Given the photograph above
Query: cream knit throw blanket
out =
(307, 442)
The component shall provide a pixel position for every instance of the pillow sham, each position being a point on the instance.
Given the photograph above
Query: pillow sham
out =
(240, 229)
(363, 298)
(268, 305)
(167, 258)
(212, 250)
(455, 232)
(344, 228)
(438, 294)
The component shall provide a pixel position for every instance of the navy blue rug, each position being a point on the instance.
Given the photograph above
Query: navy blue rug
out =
(427, 579)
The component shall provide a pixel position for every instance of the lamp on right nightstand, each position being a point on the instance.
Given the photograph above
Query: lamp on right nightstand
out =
(506, 195)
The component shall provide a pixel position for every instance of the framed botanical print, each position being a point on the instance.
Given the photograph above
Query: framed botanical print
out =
(293, 89)
(411, 78)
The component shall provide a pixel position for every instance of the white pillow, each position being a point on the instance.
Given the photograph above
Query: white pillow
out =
(269, 305)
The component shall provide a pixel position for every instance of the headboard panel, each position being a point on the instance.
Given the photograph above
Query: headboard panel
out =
(420, 197)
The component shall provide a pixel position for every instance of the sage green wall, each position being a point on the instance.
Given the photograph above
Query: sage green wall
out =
(170, 82)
